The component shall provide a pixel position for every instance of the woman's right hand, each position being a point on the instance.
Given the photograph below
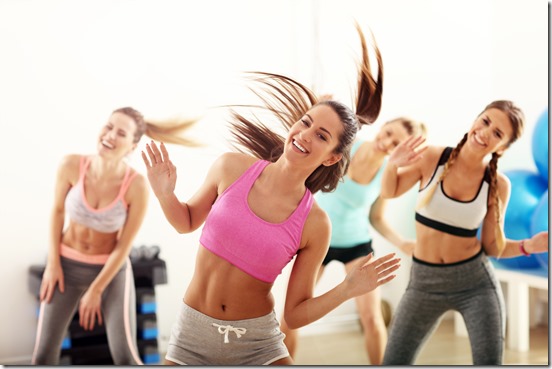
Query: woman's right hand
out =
(407, 152)
(53, 274)
(160, 169)
(368, 274)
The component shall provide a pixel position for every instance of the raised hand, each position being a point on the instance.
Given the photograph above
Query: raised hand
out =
(407, 152)
(160, 169)
(538, 243)
(369, 274)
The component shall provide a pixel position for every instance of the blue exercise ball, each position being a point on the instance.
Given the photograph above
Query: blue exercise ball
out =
(539, 223)
(526, 190)
(540, 145)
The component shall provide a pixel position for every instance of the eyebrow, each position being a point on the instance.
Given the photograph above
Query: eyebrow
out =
(321, 128)
(498, 129)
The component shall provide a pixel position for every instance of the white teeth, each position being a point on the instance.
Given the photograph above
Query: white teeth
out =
(478, 140)
(299, 146)
(107, 144)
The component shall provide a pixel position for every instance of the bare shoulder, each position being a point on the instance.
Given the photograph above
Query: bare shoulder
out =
(503, 182)
(139, 185)
(317, 226)
(69, 168)
(231, 165)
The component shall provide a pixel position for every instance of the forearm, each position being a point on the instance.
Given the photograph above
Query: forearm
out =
(383, 228)
(112, 266)
(389, 181)
(176, 212)
(315, 308)
(524, 247)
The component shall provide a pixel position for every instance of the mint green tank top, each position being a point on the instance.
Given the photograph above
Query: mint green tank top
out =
(348, 207)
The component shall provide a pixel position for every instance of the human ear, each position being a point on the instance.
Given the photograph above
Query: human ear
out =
(334, 158)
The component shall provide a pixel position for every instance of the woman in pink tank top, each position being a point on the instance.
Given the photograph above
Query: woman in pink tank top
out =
(248, 206)
(88, 269)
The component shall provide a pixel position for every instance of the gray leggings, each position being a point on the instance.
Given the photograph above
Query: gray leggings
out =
(469, 287)
(118, 312)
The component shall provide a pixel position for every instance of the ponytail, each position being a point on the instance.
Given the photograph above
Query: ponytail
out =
(169, 131)
(288, 100)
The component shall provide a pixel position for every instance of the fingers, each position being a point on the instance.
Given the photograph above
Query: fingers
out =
(151, 154)
(165, 152)
(87, 318)
(154, 155)
(146, 160)
(99, 316)
(386, 280)
(47, 291)
(43, 291)
(61, 284)
(367, 259)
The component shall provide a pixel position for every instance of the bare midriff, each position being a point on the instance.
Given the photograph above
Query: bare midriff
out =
(222, 291)
(88, 241)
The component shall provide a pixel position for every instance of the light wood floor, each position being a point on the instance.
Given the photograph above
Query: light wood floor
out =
(443, 348)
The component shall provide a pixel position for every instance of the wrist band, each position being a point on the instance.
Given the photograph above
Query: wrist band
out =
(522, 248)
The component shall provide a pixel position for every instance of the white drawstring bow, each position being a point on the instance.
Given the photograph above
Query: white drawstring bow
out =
(224, 329)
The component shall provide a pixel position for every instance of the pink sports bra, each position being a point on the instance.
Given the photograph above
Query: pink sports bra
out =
(236, 234)
(108, 219)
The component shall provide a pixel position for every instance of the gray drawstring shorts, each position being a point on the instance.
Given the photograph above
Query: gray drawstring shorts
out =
(197, 339)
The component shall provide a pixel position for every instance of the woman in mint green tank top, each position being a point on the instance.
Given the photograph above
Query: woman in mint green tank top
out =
(353, 207)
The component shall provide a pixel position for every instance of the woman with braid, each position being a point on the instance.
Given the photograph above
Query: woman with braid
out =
(353, 207)
(258, 213)
(460, 190)
(88, 268)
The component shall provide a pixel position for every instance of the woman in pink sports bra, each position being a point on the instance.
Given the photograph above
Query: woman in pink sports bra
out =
(88, 267)
(257, 214)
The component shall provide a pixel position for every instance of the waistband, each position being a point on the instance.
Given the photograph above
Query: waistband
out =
(71, 253)
(419, 261)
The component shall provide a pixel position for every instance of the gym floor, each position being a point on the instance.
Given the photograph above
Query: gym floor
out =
(443, 348)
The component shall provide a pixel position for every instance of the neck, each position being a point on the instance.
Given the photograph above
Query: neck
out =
(102, 167)
(281, 177)
(470, 160)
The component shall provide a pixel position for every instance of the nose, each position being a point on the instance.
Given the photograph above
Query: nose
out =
(111, 134)
(305, 135)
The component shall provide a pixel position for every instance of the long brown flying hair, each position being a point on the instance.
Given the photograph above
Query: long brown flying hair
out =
(288, 100)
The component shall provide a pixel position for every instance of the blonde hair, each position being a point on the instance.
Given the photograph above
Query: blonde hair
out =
(517, 120)
(411, 126)
(168, 131)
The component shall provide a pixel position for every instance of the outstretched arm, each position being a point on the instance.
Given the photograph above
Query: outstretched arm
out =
(538, 243)
(301, 308)
(403, 169)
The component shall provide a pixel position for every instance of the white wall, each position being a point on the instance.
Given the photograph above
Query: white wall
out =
(66, 65)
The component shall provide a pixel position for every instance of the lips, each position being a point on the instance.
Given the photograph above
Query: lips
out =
(478, 140)
(107, 144)
(299, 147)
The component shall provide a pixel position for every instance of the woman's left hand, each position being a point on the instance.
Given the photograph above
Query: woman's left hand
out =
(90, 309)
(537, 244)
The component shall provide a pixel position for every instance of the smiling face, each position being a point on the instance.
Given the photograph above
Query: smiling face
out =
(315, 137)
(390, 136)
(491, 132)
(117, 136)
